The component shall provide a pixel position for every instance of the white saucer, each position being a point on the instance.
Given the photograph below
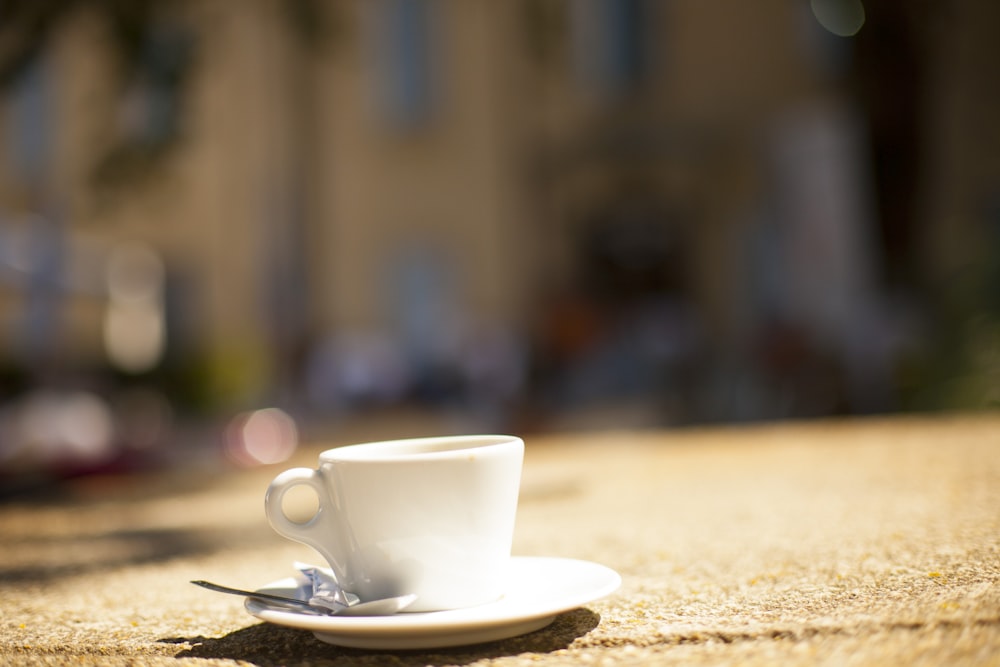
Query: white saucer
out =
(540, 589)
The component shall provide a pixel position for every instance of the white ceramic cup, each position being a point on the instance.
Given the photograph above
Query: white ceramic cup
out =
(430, 516)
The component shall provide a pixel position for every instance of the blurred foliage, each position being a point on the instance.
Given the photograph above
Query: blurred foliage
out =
(154, 54)
(27, 25)
(155, 51)
(960, 368)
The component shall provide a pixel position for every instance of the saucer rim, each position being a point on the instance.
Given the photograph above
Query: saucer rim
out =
(398, 628)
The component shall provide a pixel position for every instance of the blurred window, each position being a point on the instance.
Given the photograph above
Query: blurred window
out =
(403, 44)
(28, 126)
(609, 42)
(150, 112)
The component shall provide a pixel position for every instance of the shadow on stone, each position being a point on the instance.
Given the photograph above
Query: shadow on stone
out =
(118, 549)
(267, 645)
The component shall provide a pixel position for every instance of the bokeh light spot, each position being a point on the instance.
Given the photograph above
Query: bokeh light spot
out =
(134, 321)
(843, 18)
(261, 437)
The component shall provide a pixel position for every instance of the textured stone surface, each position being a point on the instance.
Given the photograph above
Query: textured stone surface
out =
(859, 542)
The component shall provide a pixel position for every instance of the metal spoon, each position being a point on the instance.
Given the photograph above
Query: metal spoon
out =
(384, 607)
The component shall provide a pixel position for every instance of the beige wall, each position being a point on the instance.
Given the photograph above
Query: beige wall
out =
(472, 183)
(451, 184)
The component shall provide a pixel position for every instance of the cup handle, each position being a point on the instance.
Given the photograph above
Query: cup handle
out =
(313, 531)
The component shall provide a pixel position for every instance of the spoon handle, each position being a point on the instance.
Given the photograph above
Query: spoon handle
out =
(280, 599)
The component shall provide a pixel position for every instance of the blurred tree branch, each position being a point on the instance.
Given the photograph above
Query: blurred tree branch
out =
(154, 56)
(26, 25)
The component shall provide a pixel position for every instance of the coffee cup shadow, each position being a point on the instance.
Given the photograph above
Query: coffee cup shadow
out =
(265, 644)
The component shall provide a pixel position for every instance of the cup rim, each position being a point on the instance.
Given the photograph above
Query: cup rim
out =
(425, 448)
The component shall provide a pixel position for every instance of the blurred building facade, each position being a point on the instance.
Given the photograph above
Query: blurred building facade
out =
(327, 202)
